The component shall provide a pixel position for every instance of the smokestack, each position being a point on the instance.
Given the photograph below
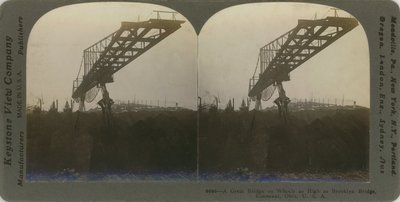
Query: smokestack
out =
(199, 105)
(343, 100)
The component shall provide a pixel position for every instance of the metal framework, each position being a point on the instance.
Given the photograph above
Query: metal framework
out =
(103, 59)
(283, 55)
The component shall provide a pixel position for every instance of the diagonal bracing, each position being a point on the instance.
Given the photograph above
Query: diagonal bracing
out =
(109, 55)
(283, 55)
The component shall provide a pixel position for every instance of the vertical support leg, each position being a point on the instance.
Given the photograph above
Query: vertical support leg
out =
(258, 106)
(278, 103)
(282, 102)
(82, 104)
(105, 105)
(104, 149)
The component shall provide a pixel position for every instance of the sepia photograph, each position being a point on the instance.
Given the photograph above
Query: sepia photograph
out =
(111, 94)
(199, 100)
(284, 94)
(266, 92)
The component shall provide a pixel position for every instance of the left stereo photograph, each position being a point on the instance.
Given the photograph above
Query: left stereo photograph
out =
(111, 94)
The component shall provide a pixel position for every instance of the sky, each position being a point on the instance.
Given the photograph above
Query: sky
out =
(56, 43)
(223, 57)
(229, 45)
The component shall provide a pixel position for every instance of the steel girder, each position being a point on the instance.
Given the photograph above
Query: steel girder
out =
(287, 52)
(118, 49)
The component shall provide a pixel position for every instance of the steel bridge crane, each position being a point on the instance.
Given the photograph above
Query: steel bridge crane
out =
(289, 51)
(103, 59)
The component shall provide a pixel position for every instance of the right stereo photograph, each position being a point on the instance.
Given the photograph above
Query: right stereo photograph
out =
(283, 95)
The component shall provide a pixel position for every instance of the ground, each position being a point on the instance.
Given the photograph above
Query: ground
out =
(325, 144)
(140, 142)
(330, 141)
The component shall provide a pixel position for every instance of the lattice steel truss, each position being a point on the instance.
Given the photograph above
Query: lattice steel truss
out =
(281, 56)
(109, 55)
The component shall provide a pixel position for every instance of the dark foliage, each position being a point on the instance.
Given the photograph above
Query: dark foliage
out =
(160, 142)
(320, 140)
(137, 142)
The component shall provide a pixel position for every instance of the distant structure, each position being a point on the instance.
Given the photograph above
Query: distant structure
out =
(200, 107)
(209, 103)
(54, 107)
(37, 108)
(304, 104)
(289, 51)
(67, 107)
(230, 107)
(244, 107)
(103, 59)
(136, 106)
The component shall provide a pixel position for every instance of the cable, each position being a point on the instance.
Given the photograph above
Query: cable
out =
(256, 66)
(77, 76)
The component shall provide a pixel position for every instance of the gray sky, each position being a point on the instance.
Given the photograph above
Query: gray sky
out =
(57, 40)
(228, 50)
(229, 45)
